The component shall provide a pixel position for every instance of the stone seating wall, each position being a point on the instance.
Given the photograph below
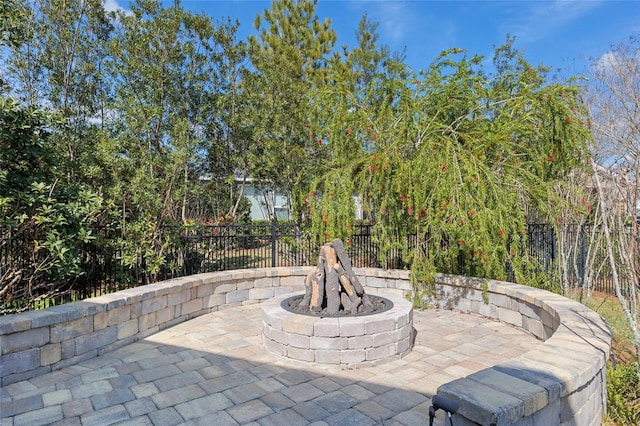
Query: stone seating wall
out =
(562, 381)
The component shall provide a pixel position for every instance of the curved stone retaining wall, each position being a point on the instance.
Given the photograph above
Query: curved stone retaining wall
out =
(562, 381)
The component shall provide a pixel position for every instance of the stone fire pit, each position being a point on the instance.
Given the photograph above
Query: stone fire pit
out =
(335, 322)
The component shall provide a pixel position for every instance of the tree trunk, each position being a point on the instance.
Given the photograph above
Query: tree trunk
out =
(629, 307)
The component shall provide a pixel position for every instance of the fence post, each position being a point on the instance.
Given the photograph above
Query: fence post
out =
(553, 244)
(273, 243)
(582, 266)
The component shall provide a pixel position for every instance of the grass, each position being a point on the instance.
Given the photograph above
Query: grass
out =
(608, 306)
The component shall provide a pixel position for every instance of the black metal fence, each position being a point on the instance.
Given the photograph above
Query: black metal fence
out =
(270, 245)
(225, 247)
(581, 252)
(207, 249)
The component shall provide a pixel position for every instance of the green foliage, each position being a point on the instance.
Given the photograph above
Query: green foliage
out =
(169, 62)
(289, 61)
(13, 29)
(147, 103)
(47, 225)
(25, 156)
(12, 23)
(420, 294)
(623, 393)
(452, 155)
(485, 292)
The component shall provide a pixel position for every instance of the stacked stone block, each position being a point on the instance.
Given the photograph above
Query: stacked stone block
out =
(346, 341)
(569, 368)
(562, 382)
(37, 342)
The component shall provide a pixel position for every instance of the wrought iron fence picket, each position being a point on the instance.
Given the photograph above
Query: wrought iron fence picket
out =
(223, 247)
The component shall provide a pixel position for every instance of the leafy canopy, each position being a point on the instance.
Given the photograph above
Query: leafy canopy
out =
(452, 154)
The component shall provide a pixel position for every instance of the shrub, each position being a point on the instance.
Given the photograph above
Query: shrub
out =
(623, 393)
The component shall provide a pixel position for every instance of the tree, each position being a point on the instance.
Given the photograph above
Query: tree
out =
(229, 136)
(579, 242)
(59, 66)
(165, 63)
(12, 28)
(288, 61)
(43, 219)
(613, 97)
(345, 113)
(43, 224)
(454, 156)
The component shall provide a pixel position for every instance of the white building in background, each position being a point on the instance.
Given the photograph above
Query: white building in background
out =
(266, 203)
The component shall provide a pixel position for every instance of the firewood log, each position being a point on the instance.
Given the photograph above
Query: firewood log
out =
(332, 290)
(329, 254)
(306, 300)
(317, 290)
(346, 284)
(341, 253)
(346, 303)
(366, 302)
(342, 256)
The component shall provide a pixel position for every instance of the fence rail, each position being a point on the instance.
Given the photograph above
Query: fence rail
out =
(225, 247)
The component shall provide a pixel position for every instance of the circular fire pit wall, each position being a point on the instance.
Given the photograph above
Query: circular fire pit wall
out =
(348, 341)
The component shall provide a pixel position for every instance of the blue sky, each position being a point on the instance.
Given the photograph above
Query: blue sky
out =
(563, 34)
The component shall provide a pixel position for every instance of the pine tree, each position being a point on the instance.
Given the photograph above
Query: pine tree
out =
(289, 61)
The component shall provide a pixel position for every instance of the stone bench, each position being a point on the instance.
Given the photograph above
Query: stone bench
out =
(560, 382)
(37, 342)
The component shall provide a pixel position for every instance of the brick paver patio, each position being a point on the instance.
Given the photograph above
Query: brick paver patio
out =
(212, 370)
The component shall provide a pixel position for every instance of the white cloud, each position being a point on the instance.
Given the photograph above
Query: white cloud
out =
(607, 61)
(393, 17)
(541, 19)
(114, 6)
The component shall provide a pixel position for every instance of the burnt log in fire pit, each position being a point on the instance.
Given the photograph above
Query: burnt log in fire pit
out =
(332, 288)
